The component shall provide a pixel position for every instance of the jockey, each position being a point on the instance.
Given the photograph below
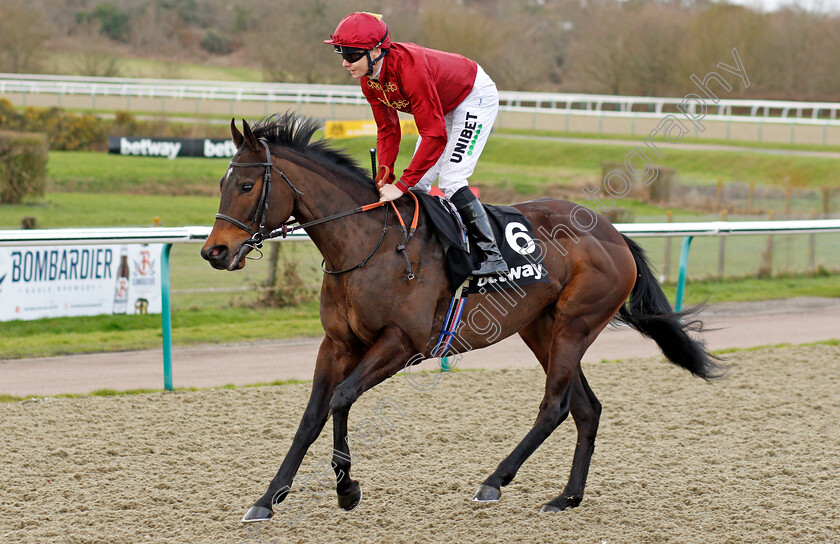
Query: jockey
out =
(454, 104)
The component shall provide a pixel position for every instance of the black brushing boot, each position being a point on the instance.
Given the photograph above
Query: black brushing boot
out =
(478, 225)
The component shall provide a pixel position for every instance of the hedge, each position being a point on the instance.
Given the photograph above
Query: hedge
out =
(69, 131)
(23, 166)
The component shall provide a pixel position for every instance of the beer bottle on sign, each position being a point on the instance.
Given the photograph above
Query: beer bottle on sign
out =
(121, 291)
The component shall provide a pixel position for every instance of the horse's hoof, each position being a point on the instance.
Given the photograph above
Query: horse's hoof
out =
(257, 513)
(561, 503)
(486, 493)
(352, 499)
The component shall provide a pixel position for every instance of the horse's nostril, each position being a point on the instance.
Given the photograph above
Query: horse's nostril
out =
(215, 253)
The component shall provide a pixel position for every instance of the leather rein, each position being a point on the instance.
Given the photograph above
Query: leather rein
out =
(259, 235)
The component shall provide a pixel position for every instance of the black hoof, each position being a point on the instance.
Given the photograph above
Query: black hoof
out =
(352, 499)
(561, 503)
(486, 493)
(257, 513)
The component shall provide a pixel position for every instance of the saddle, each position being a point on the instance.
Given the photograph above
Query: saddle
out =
(514, 236)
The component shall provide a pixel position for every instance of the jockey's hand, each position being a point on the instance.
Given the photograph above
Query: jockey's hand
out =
(389, 192)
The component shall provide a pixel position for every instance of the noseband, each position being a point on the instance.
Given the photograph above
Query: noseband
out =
(257, 236)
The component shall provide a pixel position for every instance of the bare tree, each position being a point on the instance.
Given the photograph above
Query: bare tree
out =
(599, 55)
(629, 48)
(788, 42)
(94, 57)
(645, 47)
(510, 52)
(288, 40)
(824, 50)
(22, 37)
(710, 35)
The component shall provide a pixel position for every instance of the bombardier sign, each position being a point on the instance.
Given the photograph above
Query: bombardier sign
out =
(171, 147)
(66, 281)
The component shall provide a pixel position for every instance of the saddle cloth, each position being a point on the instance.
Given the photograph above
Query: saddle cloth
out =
(514, 236)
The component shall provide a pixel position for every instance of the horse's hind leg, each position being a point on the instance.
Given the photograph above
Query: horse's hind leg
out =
(561, 362)
(586, 411)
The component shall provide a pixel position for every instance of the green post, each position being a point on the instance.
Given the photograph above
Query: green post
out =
(166, 317)
(683, 271)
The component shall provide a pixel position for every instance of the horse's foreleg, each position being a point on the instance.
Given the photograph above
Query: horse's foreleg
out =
(330, 369)
(564, 357)
(384, 359)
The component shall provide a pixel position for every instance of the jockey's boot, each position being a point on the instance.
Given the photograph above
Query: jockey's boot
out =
(478, 225)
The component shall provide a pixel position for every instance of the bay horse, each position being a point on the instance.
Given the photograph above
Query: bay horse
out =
(596, 274)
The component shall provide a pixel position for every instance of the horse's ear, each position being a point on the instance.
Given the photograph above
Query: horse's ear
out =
(237, 136)
(250, 139)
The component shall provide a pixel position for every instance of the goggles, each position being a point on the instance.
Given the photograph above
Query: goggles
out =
(350, 54)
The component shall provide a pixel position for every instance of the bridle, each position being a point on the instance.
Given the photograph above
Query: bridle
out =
(259, 236)
(261, 212)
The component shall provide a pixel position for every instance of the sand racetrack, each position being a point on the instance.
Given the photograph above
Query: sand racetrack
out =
(752, 458)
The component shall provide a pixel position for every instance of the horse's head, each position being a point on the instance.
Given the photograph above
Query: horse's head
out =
(245, 217)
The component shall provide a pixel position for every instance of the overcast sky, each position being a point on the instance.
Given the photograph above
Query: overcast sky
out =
(810, 5)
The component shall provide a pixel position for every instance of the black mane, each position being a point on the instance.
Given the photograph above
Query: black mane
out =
(295, 132)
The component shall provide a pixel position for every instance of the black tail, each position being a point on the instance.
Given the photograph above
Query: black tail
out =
(650, 313)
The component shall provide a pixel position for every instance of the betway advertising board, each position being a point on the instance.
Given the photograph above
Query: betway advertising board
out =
(171, 147)
(67, 281)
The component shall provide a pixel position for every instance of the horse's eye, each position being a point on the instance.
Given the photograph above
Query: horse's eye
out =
(246, 187)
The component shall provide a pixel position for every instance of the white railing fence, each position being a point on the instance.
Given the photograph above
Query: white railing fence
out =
(742, 110)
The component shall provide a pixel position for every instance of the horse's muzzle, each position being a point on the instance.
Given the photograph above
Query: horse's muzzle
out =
(221, 258)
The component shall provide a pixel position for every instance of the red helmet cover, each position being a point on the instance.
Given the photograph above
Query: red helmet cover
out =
(362, 30)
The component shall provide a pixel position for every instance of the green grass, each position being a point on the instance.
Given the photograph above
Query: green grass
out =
(89, 176)
(69, 64)
(727, 351)
(687, 140)
(706, 166)
(66, 210)
(743, 167)
(526, 165)
(114, 393)
(82, 171)
(830, 342)
(743, 255)
(61, 336)
(752, 289)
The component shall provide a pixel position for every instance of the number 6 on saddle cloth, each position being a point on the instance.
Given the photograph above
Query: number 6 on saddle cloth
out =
(516, 241)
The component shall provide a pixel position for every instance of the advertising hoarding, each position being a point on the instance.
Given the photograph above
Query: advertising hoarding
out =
(66, 281)
(171, 148)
